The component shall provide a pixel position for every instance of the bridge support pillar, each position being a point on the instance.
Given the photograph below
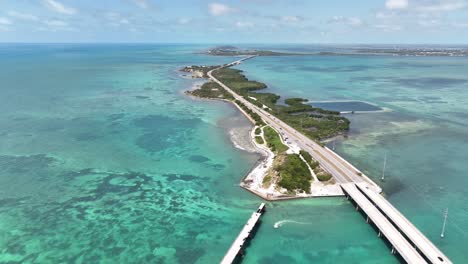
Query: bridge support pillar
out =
(367, 219)
(357, 207)
(380, 234)
(393, 250)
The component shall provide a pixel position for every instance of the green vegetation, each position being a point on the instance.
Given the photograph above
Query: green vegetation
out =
(295, 174)
(234, 51)
(316, 123)
(325, 176)
(258, 120)
(268, 98)
(273, 140)
(259, 140)
(314, 165)
(313, 122)
(235, 80)
(306, 155)
(267, 181)
(258, 131)
(211, 90)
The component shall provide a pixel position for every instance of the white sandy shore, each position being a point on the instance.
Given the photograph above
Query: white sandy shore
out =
(253, 181)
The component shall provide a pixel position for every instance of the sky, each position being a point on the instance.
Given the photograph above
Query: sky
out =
(241, 21)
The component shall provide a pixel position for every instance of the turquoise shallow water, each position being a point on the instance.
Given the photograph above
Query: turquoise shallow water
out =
(424, 135)
(103, 158)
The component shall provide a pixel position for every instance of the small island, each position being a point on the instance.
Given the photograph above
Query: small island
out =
(286, 171)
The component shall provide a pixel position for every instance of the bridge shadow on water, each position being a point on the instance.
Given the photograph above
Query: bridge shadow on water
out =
(243, 252)
(377, 231)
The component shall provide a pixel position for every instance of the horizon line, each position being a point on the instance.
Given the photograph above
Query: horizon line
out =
(233, 43)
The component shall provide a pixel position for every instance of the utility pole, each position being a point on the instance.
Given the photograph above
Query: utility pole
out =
(384, 165)
(445, 222)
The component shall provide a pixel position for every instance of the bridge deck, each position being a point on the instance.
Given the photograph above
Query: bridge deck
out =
(424, 245)
(238, 244)
(404, 248)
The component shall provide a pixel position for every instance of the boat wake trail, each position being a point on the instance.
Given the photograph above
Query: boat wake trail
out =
(283, 222)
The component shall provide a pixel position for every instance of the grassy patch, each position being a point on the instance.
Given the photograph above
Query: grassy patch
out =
(324, 176)
(258, 131)
(294, 174)
(314, 165)
(267, 181)
(306, 155)
(259, 140)
(273, 140)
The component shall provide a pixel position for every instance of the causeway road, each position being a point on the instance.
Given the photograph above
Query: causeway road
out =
(342, 171)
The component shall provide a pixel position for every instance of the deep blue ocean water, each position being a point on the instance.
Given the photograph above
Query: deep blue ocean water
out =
(104, 159)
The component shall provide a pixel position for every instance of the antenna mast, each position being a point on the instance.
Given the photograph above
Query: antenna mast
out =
(445, 222)
(384, 166)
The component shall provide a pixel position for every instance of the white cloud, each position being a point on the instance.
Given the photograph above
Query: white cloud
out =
(241, 24)
(116, 19)
(384, 15)
(217, 9)
(460, 24)
(354, 21)
(22, 16)
(291, 18)
(5, 21)
(388, 28)
(124, 21)
(183, 20)
(350, 21)
(141, 3)
(396, 4)
(429, 23)
(112, 15)
(59, 7)
(56, 23)
(443, 5)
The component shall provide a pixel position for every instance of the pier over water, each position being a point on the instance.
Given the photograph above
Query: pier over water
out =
(236, 250)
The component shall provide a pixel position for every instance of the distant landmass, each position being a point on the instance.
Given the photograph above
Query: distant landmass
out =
(235, 51)
(409, 51)
(384, 51)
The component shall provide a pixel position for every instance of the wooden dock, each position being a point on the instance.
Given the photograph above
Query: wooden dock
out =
(235, 251)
